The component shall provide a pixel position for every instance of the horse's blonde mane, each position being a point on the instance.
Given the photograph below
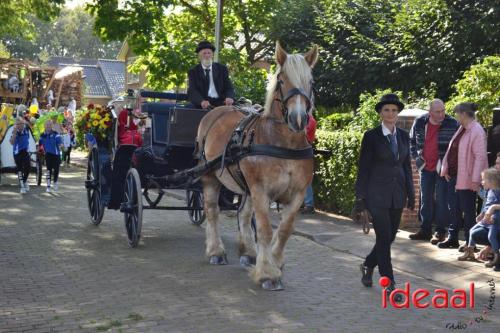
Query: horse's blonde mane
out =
(297, 71)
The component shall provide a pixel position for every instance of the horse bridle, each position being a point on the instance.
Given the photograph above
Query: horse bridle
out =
(291, 93)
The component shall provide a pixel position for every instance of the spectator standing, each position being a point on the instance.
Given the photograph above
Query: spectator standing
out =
(463, 163)
(311, 136)
(429, 138)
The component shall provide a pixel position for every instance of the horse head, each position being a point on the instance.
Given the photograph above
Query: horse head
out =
(292, 87)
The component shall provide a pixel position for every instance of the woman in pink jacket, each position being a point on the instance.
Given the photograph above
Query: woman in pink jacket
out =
(465, 158)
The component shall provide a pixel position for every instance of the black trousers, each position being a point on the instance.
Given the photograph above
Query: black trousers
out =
(22, 160)
(385, 223)
(216, 101)
(52, 161)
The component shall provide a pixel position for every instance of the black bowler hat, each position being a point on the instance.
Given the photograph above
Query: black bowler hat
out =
(205, 44)
(389, 99)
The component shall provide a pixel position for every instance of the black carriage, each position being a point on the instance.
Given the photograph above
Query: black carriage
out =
(119, 176)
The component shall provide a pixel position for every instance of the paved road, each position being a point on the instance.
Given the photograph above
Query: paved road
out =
(59, 273)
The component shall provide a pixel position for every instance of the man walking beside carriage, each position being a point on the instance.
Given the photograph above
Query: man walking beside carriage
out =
(209, 84)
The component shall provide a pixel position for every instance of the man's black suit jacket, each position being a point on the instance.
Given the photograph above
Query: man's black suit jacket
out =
(198, 84)
(384, 181)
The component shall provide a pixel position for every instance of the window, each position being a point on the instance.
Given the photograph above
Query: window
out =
(131, 77)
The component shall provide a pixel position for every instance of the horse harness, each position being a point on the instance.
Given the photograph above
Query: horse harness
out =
(241, 145)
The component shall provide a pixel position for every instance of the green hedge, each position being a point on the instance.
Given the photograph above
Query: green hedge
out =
(480, 84)
(335, 121)
(335, 175)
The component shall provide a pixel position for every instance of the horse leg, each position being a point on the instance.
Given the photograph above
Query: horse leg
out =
(285, 229)
(265, 272)
(246, 240)
(215, 248)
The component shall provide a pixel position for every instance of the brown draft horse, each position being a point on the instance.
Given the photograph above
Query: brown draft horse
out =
(282, 124)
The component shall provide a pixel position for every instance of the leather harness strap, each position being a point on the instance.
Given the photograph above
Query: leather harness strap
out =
(241, 145)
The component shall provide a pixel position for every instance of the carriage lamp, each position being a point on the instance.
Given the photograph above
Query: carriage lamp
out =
(130, 100)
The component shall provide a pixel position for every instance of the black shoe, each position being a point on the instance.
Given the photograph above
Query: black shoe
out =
(420, 235)
(496, 268)
(398, 298)
(438, 238)
(449, 244)
(308, 210)
(367, 272)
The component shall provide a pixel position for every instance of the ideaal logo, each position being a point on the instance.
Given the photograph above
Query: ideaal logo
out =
(441, 298)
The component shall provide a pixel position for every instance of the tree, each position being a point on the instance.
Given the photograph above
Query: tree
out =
(409, 45)
(15, 15)
(354, 36)
(479, 85)
(71, 34)
(436, 41)
(164, 34)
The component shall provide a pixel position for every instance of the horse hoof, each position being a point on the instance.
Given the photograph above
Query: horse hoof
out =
(247, 261)
(218, 260)
(272, 285)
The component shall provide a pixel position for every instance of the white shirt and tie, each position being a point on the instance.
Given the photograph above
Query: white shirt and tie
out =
(212, 92)
(390, 137)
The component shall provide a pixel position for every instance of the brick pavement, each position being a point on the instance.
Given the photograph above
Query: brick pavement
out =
(58, 273)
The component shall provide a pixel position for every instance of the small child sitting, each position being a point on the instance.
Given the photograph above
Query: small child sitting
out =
(486, 221)
(52, 144)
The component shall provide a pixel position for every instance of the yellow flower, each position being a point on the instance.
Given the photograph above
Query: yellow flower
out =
(95, 123)
(98, 116)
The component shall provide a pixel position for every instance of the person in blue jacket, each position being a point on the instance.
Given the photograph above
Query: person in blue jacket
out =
(52, 144)
(20, 141)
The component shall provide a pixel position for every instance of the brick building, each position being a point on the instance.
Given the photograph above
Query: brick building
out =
(405, 121)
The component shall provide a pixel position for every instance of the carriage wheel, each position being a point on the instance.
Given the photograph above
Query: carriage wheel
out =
(195, 199)
(39, 169)
(132, 207)
(93, 186)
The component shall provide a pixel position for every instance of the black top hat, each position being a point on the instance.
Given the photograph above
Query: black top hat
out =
(205, 44)
(389, 99)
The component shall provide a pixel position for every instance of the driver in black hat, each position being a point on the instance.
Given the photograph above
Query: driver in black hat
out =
(209, 84)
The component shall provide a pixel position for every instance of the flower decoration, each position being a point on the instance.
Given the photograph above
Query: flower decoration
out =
(96, 120)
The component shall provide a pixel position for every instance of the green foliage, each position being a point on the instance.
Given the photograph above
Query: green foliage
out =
(366, 117)
(38, 128)
(353, 37)
(481, 85)
(4, 52)
(71, 34)
(335, 176)
(16, 18)
(321, 111)
(250, 84)
(404, 45)
(164, 33)
(335, 121)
